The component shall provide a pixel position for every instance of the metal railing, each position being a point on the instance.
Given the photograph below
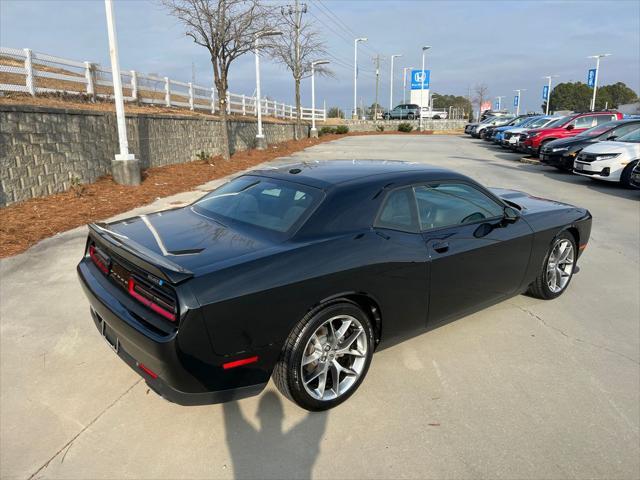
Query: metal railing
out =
(22, 70)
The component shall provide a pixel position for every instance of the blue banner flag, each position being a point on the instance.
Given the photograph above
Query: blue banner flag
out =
(516, 100)
(591, 78)
(545, 92)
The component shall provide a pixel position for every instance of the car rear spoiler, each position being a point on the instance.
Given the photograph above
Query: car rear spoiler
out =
(139, 255)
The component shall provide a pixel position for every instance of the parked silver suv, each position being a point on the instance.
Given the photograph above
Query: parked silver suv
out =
(406, 110)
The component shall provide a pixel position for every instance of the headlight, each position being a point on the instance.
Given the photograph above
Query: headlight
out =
(606, 156)
(560, 149)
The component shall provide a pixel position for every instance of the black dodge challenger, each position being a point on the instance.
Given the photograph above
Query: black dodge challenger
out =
(301, 272)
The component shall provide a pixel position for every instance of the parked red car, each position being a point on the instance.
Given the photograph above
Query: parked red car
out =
(533, 140)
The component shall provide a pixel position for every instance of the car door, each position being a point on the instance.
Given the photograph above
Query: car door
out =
(477, 257)
(403, 275)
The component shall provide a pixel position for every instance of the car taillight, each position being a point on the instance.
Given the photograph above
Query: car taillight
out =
(99, 259)
(160, 304)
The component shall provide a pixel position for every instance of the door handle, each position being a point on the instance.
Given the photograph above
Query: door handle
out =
(441, 247)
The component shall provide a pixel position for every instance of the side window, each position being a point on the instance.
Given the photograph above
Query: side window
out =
(623, 130)
(449, 204)
(584, 122)
(398, 211)
(600, 119)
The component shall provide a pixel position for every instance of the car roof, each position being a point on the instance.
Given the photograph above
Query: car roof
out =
(326, 174)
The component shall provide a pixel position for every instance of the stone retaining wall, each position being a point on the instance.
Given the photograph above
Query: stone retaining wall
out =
(392, 125)
(42, 149)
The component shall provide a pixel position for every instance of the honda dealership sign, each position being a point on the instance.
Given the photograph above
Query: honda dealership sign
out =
(420, 80)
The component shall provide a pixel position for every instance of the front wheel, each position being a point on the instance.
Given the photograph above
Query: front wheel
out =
(326, 356)
(411, 116)
(625, 176)
(557, 269)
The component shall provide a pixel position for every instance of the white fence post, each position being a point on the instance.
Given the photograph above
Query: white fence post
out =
(228, 103)
(88, 75)
(134, 85)
(213, 100)
(28, 66)
(190, 96)
(244, 105)
(167, 92)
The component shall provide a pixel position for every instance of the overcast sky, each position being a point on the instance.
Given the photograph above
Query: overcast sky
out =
(505, 44)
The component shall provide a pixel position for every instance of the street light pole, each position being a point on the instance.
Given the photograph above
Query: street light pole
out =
(424, 50)
(404, 83)
(261, 142)
(548, 77)
(314, 131)
(520, 90)
(391, 82)
(355, 75)
(124, 168)
(595, 80)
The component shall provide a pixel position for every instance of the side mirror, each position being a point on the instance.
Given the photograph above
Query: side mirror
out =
(570, 126)
(612, 137)
(511, 215)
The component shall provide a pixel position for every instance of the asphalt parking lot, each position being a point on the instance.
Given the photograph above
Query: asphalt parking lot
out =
(524, 389)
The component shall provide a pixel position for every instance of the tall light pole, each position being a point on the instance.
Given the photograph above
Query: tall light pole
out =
(355, 75)
(391, 82)
(124, 168)
(519, 90)
(424, 51)
(595, 80)
(548, 99)
(261, 142)
(404, 83)
(499, 98)
(314, 132)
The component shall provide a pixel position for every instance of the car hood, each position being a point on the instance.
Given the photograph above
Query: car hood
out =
(529, 204)
(630, 149)
(188, 239)
(572, 141)
(517, 129)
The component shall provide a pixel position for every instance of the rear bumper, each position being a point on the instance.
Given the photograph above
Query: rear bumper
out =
(177, 369)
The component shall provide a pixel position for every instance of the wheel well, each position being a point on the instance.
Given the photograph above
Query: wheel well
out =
(576, 235)
(371, 308)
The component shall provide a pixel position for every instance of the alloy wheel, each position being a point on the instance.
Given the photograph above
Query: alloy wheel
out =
(560, 265)
(334, 357)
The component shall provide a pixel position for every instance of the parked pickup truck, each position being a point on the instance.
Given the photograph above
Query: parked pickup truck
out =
(434, 114)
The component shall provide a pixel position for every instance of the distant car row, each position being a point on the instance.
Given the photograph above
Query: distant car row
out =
(600, 145)
(411, 111)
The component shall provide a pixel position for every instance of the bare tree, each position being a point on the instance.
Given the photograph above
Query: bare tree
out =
(227, 29)
(298, 46)
(482, 93)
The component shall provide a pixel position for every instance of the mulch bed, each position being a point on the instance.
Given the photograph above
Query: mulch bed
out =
(24, 224)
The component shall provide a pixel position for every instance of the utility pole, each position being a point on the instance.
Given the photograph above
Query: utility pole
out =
(375, 106)
(355, 75)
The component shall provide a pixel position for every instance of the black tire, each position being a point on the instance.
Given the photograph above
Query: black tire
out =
(287, 374)
(539, 288)
(625, 177)
(411, 116)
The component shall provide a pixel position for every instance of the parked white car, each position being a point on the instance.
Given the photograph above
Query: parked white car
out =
(610, 161)
(434, 114)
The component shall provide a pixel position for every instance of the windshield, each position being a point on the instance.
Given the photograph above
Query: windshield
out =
(273, 205)
(630, 137)
(597, 130)
(558, 122)
(520, 121)
(541, 122)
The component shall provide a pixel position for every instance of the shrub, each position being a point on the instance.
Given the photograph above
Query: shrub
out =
(405, 127)
(342, 129)
(380, 128)
(326, 131)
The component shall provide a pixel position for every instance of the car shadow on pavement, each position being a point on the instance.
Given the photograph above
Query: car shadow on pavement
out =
(268, 452)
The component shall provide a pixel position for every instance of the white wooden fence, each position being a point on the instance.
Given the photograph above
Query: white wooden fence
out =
(22, 70)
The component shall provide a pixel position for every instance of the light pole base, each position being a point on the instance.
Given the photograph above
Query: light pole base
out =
(125, 170)
(313, 133)
(261, 142)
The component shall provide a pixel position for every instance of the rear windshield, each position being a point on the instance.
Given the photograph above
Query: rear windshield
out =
(273, 205)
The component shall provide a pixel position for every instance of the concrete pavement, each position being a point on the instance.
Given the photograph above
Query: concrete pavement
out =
(525, 389)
